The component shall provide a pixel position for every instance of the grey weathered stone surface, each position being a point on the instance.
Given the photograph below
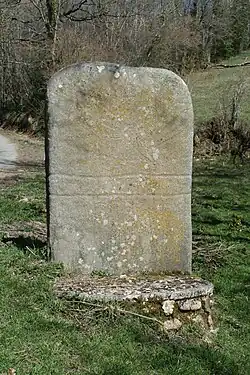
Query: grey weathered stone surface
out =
(119, 173)
(190, 304)
(172, 324)
(163, 297)
(168, 307)
(105, 289)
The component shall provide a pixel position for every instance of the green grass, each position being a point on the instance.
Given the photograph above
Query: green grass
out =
(39, 334)
(23, 201)
(212, 88)
(243, 57)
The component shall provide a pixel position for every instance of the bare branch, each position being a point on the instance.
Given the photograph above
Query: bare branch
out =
(100, 15)
(4, 3)
(39, 8)
(21, 21)
(75, 8)
(30, 40)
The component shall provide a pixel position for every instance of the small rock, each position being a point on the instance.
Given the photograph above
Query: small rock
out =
(210, 322)
(214, 331)
(25, 199)
(168, 307)
(172, 324)
(199, 320)
(189, 305)
(207, 304)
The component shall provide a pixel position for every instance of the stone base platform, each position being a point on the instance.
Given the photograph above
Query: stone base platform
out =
(173, 300)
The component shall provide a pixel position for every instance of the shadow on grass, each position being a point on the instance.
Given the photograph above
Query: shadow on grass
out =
(14, 166)
(15, 175)
(216, 169)
(176, 354)
(28, 245)
(211, 359)
(220, 201)
(224, 236)
(28, 164)
(22, 242)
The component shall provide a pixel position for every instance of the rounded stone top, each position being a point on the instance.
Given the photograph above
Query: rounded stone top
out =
(115, 72)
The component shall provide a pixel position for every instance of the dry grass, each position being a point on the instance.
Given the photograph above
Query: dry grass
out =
(212, 89)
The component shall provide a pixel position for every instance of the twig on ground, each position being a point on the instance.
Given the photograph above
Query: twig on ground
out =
(29, 249)
(114, 308)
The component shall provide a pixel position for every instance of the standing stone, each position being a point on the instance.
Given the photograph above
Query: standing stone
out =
(119, 146)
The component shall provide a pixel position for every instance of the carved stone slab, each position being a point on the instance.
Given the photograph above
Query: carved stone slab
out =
(119, 162)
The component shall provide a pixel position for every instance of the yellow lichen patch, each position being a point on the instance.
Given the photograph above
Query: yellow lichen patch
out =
(167, 231)
(152, 185)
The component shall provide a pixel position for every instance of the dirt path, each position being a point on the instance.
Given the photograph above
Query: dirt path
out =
(19, 153)
(8, 153)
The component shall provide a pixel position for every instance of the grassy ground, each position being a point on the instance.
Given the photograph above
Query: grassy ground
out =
(213, 88)
(38, 334)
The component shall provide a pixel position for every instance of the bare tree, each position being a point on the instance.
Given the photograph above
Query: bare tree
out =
(38, 37)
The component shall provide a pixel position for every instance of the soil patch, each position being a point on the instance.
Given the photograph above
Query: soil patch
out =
(30, 157)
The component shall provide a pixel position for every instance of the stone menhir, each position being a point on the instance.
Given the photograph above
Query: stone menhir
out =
(119, 161)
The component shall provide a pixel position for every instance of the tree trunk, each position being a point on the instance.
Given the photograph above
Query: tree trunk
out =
(52, 10)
